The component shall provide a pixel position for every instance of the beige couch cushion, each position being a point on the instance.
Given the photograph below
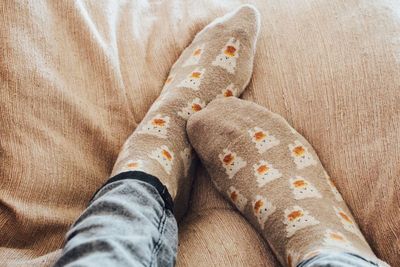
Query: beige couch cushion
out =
(77, 77)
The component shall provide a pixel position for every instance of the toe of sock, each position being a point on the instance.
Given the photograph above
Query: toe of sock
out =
(244, 21)
(248, 16)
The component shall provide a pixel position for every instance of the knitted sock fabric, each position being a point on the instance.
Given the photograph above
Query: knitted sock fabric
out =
(275, 179)
(217, 63)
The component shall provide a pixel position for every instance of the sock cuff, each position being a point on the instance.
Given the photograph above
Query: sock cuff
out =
(144, 177)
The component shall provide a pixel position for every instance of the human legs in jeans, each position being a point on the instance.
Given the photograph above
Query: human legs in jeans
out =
(129, 222)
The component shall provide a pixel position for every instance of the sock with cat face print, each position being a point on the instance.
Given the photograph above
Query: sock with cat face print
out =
(275, 179)
(217, 63)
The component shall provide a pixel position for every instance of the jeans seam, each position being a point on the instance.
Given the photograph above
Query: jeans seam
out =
(161, 228)
(162, 231)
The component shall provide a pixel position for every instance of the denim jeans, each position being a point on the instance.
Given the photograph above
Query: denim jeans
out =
(130, 222)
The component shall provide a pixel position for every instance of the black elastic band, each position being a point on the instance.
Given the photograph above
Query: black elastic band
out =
(144, 177)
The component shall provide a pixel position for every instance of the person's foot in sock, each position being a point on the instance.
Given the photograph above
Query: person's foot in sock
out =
(218, 62)
(275, 179)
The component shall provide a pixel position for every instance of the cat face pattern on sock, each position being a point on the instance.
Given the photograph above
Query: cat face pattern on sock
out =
(347, 222)
(265, 173)
(302, 188)
(195, 56)
(157, 126)
(194, 106)
(193, 80)
(164, 156)
(296, 218)
(262, 139)
(230, 90)
(237, 199)
(262, 209)
(301, 156)
(231, 162)
(228, 56)
(336, 239)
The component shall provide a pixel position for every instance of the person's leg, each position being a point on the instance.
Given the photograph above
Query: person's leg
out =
(275, 179)
(218, 63)
(129, 222)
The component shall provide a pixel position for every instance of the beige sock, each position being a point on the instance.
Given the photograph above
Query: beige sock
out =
(275, 179)
(218, 62)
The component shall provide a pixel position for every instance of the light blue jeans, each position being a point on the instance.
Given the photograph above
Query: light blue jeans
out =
(127, 223)
(130, 222)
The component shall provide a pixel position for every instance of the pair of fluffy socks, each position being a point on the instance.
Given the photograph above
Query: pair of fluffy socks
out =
(254, 157)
